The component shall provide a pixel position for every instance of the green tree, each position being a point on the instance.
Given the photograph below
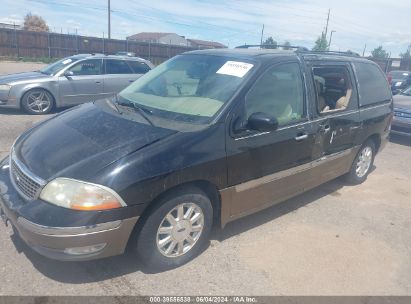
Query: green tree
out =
(379, 52)
(270, 43)
(321, 43)
(287, 45)
(35, 23)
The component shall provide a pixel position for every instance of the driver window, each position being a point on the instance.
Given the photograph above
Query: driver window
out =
(87, 67)
(278, 92)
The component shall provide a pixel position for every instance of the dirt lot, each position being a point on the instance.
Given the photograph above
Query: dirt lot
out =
(333, 240)
(8, 67)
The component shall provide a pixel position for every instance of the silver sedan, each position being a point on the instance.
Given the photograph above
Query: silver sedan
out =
(70, 81)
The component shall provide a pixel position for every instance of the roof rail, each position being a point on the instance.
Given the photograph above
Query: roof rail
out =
(271, 46)
(352, 54)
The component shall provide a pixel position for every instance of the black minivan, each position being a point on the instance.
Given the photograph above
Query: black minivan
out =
(203, 139)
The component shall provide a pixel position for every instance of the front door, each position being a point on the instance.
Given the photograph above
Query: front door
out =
(268, 167)
(86, 83)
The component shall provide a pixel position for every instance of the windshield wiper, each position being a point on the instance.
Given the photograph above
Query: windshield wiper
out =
(142, 111)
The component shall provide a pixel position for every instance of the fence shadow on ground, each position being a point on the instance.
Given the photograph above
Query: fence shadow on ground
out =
(109, 268)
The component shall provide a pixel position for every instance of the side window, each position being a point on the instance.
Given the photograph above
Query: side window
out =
(87, 67)
(373, 86)
(334, 88)
(279, 92)
(114, 66)
(138, 67)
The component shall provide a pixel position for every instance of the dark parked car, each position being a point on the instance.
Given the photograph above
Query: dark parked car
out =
(205, 138)
(70, 81)
(399, 80)
(401, 124)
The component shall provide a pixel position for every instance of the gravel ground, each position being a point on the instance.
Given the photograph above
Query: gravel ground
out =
(333, 240)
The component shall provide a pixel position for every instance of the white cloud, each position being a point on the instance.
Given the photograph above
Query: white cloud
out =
(356, 22)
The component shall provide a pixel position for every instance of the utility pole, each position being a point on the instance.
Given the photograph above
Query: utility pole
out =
(328, 20)
(331, 37)
(109, 20)
(363, 52)
(262, 34)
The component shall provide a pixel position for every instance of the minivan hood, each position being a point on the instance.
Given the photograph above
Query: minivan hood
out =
(10, 78)
(81, 141)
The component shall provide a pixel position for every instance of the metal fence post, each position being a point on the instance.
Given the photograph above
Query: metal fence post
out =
(48, 43)
(16, 41)
(149, 51)
(76, 42)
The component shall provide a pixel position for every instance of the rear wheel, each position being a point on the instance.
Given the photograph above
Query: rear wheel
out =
(37, 101)
(176, 230)
(362, 163)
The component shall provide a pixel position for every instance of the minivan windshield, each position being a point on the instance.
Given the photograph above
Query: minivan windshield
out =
(56, 67)
(188, 88)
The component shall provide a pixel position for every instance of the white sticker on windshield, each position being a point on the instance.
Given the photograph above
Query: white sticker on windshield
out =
(67, 61)
(235, 68)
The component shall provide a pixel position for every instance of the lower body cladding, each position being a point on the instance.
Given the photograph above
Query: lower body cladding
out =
(249, 197)
(72, 243)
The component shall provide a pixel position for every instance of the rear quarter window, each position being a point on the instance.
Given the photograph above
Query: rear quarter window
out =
(373, 86)
(138, 67)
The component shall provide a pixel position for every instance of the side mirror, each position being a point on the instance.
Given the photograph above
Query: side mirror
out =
(68, 73)
(262, 122)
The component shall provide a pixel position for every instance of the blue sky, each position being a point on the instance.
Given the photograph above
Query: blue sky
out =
(232, 22)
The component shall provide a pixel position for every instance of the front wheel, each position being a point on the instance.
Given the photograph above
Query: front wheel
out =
(362, 163)
(176, 230)
(37, 101)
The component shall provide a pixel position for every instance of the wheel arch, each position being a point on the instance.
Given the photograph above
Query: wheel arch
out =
(31, 88)
(205, 186)
(376, 139)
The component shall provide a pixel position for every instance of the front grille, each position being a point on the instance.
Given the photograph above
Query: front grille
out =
(25, 184)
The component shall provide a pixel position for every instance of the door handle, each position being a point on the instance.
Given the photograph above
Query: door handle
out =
(98, 81)
(325, 128)
(130, 80)
(301, 137)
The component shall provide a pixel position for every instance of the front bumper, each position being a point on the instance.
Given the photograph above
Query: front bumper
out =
(79, 243)
(401, 126)
(9, 102)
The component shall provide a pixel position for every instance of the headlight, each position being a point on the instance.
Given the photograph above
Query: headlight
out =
(78, 195)
(399, 83)
(4, 87)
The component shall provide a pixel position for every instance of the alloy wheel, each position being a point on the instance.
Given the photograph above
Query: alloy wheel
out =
(180, 230)
(39, 101)
(364, 161)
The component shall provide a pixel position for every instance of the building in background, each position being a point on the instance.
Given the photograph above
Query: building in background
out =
(204, 44)
(175, 39)
(163, 38)
(11, 26)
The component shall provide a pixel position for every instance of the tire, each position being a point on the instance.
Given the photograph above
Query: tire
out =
(362, 164)
(37, 102)
(153, 246)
